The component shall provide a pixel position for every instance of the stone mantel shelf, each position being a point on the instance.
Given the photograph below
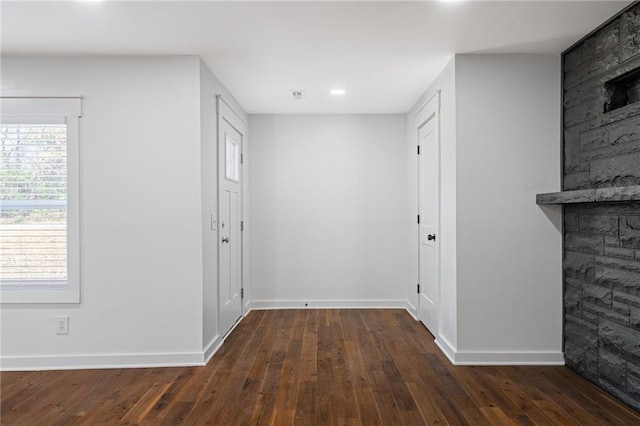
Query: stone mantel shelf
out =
(596, 195)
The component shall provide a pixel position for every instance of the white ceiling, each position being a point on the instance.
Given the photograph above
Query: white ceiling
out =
(384, 54)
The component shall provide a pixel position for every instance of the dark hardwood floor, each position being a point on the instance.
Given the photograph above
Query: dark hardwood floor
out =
(314, 367)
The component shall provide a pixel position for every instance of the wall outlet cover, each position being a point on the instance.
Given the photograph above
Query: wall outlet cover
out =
(62, 324)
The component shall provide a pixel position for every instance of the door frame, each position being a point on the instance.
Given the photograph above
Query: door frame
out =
(430, 110)
(226, 112)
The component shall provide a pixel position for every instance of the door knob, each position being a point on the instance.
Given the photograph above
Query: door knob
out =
(225, 240)
(431, 237)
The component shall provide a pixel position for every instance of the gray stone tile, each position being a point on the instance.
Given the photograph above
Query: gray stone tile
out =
(579, 266)
(630, 34)
(627, 299)
(599, 224)
(620, 340)
(566, 197)
(573, 300)
(624, 281)
(600, 296)
(621, 170)
(606, 313)
(611, 241)
(575, 181)
(612, 368)
(609, 262)
(622, 253)
(627, 193)
(571, 221)
(585, 243)
(630, 231)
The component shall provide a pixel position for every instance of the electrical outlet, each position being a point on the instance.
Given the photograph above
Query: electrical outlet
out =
(62, 324)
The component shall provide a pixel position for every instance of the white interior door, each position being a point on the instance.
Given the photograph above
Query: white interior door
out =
(230, 140)
(429, 223)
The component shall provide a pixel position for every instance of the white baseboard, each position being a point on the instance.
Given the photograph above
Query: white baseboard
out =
(211, 348)
(413, 311)
(447, 348)
(499, 357)
(105, 361)
(509, 358)
(326, 304)
(152, 360)
(80, 362)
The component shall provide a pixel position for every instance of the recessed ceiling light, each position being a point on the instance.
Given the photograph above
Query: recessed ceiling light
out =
(337, 92)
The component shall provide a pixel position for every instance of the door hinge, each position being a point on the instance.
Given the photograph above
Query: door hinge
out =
(418, 218)
(242, 293)
(241, 158)
(242, 225)
(418, 288)
(418, 149)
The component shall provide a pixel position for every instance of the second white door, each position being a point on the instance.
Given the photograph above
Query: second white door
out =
(429, 209)
(230, 140)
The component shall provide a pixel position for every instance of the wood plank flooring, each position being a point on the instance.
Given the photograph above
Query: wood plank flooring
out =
(314, 367)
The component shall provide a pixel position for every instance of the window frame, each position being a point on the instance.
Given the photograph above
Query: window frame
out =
(68, 109)
(235, 160)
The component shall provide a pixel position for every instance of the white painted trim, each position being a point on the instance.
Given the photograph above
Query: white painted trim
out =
(47, 106)
(217, 342)
(233, 327)
(326, 304)
(230, 108)
(499, 357)
(211, 348)
(79, 362)
(509, 358)
(29, 95)
(69, 108)
(446, 348)
(82, 362)
(412, 310)
(427, 101)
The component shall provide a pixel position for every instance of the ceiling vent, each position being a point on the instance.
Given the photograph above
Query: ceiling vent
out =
(297, 94)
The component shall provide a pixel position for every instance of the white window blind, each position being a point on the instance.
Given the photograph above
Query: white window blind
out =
(39, 208)
(33, 192)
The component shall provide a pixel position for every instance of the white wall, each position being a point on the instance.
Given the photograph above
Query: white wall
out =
(210, 86)
(445, 82)
(328, 209)
(509, 250)
(331, 215)
(141, 261)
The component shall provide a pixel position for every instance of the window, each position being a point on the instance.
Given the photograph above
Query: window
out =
(232, 160)
(39, 200)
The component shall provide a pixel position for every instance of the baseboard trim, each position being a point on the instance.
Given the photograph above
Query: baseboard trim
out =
(508, 358)
(413, 311)
(106, 361)
(189, 359)
(100, 361)
(211, 348)
(326, 304)
(499, 357)
(447, 348)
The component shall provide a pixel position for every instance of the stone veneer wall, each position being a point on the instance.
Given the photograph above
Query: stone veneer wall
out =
(602, 240)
